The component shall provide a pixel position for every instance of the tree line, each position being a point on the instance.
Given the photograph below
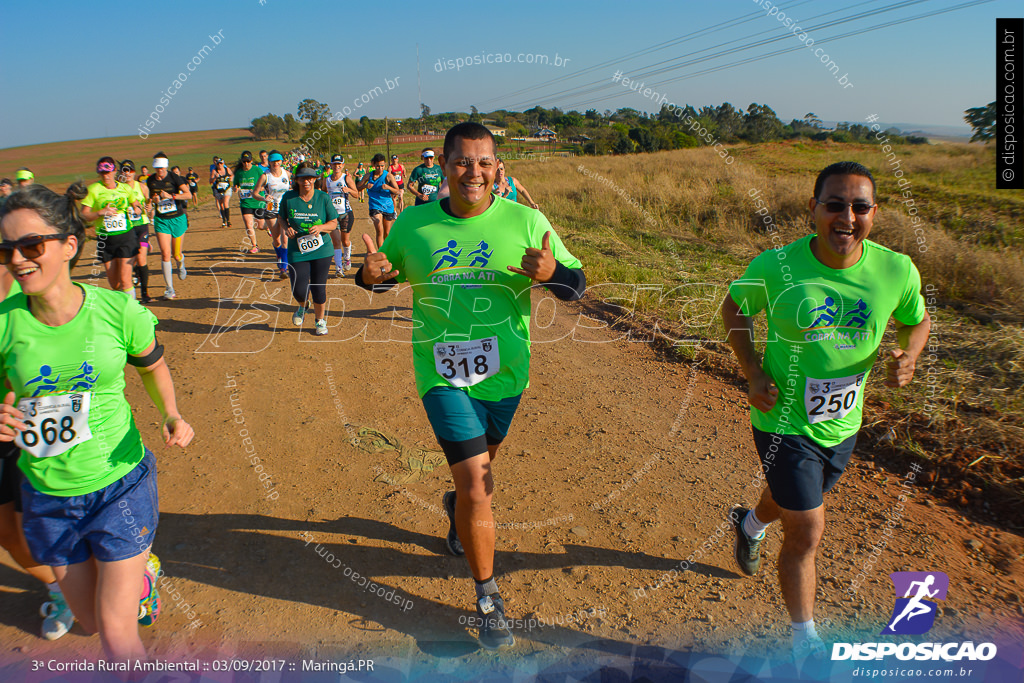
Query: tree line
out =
(623, 131)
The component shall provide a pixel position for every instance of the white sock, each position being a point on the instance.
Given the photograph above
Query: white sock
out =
(348, 251)
(753, 527)
(130, 292)
(53, 587)
(165, 266)
(337, 258)
(803, 631)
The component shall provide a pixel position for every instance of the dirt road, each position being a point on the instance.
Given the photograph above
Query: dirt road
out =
(619, 466)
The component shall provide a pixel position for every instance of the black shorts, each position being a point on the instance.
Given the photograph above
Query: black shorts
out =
(142, 233)
(246, 211)
(799, 470)
(10, 475)
(346, 221)
(122, 245)
(378, 212)
(194, 189)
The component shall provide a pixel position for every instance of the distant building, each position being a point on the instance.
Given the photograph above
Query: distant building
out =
(545, 134)
(495, 130)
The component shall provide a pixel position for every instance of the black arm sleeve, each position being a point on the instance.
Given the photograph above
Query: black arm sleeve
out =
(568, 284)
(382, 287)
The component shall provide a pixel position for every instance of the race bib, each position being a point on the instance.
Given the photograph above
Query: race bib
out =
(464, 364)
(54, 424)
(831, 399)
(116, 223)
(244, 194)
(428, 189)
(132, 216)
(223, 185)
(339, 202)
(166, 206)
(275, 205)
(308, 243)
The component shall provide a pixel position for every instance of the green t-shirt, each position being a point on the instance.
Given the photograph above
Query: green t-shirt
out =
(121, 197)
(246, 182)
(81, 362)
(824, 330)
(301, 216)
(462, 291)
(137, 196)
(428, 180)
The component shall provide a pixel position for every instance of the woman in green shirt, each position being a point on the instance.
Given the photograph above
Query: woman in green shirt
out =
(89, 496)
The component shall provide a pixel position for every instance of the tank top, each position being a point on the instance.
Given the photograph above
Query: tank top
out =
(380, 197)
(275, 188)
(335, 188)
(512, 191)
(222, 182)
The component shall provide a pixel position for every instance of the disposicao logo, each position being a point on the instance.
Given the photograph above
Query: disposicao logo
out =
(914, 614)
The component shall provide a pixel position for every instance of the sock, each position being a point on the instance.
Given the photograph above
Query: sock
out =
(282, 254)
(485, 587)
(165, 266)
(284, 257)
(337, 258)
(803, 631)
(130, 293)
(176, 244)
(753, 527)
(348, 251)
(142, 272)
(53, 587)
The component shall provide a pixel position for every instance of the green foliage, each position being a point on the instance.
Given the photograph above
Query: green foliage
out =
(982, 121)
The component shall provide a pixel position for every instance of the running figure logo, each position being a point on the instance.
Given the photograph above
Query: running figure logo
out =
(858, 317)
(913, 613)
(827, 314)
(451, 257)
(482, 255)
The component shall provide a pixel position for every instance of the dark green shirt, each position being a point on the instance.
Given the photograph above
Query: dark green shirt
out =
(301, 216)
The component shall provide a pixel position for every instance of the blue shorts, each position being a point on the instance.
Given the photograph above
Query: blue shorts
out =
(798, 469)
(465, 426)
(115, 523)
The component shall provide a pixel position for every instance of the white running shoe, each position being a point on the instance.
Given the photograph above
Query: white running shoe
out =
(57, 617)
(321, 327)
(298, 315)
(182, 273)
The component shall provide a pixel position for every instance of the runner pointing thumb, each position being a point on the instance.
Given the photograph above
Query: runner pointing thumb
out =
(538, 264)
(376, 269)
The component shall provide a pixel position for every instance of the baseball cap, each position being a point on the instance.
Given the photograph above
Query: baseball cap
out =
(275, 157)
(307, 173)
(394, 156)
(428, 153)
(246, 156)
(23, 174)
(5, 181)
(337, 159)
(128, 164)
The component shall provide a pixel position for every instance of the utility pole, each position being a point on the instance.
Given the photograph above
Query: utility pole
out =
(387, 138)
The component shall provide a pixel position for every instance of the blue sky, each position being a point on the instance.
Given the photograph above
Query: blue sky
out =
(72, 71)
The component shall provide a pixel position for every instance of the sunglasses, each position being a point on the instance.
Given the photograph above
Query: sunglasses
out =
(859, 208)
(30, 247)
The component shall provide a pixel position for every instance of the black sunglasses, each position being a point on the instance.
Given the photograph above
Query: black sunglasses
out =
(30, 247)
(859, 208)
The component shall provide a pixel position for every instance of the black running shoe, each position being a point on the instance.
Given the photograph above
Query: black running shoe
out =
(494, 631)
(746, 549)
(452, 542)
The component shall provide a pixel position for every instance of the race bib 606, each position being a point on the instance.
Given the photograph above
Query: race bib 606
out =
(831, 399)
(54, 424)
(464, 364)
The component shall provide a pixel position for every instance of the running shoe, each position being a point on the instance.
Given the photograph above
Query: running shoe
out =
(169, 294)
(298, 315)
(746, 549)
(254, 250)
(494, 632)
(453, 543)
(321, 327)
(346, 264)
(145, 299)
(149, 602)
(182, 273)
(57, 617)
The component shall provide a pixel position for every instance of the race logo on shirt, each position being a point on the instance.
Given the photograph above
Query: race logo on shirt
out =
(834, 320)
(62, 379)
(459, 255)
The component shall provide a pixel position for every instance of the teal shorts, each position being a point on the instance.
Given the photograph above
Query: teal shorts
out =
(175, 227)
(465, 426)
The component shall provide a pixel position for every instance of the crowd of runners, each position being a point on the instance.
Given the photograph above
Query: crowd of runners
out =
(828, 298)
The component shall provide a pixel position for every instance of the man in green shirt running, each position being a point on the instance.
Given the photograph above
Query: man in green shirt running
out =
(828, 298)
(471, 335)
(426, 178)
